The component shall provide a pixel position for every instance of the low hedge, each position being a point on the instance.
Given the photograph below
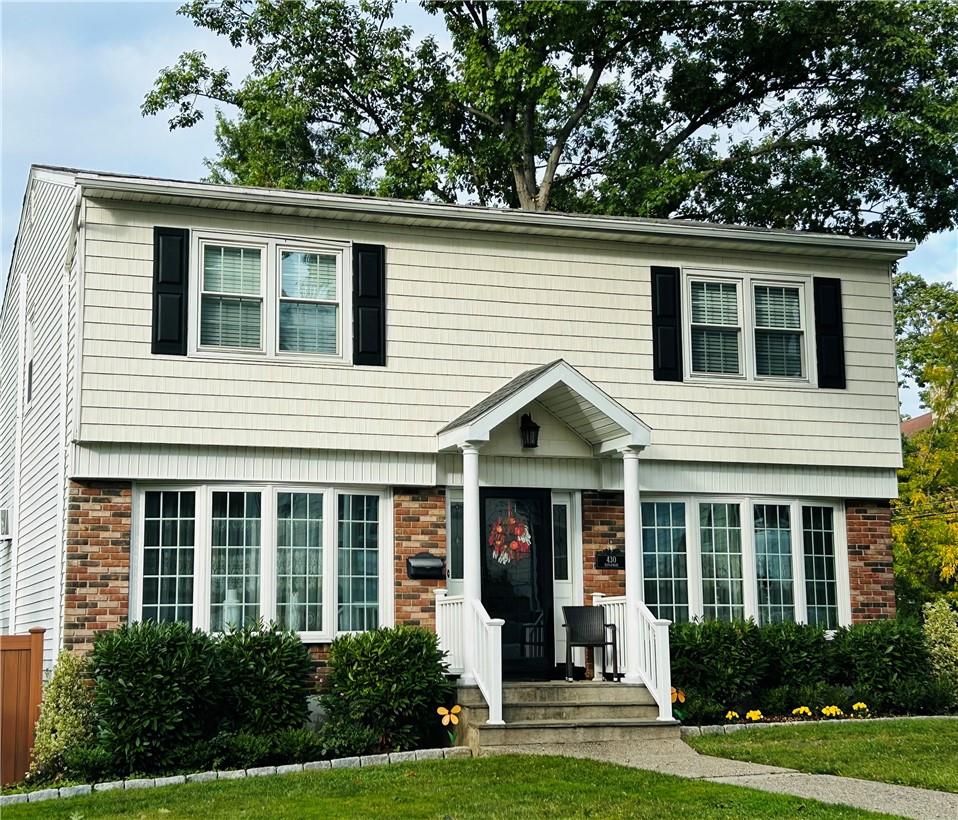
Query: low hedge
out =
(740, 666)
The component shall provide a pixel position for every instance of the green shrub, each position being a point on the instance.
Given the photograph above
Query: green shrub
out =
(66, 724)
(724, 662)
(880, 657)
(245, 750)
(941, 636)
(341, 737)
(795, 655)
(264, 679)
(389, 681)
(90, 764)
(154, 691)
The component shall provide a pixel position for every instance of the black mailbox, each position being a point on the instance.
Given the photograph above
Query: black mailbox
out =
(425, 565)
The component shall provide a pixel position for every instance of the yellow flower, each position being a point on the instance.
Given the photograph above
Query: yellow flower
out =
(802, 710)
(859, 707)
(832, 711)
(755, 714)
(449, 715)
(678, 695)
(730, 715)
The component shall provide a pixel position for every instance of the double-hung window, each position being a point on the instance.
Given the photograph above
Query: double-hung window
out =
(271, 297)
(231, 300)
(779, 335)
(716, 328)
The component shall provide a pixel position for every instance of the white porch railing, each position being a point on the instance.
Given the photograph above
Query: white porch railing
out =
(455, 624)
(652, 644)
(449, 617)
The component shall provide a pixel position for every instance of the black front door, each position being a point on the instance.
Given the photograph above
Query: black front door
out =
(516, 545)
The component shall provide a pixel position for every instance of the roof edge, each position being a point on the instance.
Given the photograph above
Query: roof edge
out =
(544, 222)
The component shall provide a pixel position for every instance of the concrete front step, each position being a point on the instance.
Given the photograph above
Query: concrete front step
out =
(514, 693)
(556, 732)
(563, 711)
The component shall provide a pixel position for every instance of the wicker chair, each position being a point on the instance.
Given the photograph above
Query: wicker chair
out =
(586, 626)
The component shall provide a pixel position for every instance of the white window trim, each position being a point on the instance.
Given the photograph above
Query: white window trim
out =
(271, 247)
(693, 547)
(746, 282)
(268, 554)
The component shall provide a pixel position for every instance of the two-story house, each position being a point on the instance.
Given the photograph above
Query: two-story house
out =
(224, 403)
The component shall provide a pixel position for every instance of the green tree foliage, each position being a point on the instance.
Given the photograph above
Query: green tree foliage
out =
(824, 116)
(920, 306)
(925, 523)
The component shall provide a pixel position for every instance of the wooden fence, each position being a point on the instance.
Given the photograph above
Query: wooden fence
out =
(21, 686)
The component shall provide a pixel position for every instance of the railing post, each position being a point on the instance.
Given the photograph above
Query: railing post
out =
(441, 627)
(495, 672)
(596, 656)
(663, 665)
(633, 564)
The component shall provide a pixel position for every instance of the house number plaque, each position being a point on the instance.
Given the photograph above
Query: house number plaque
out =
(610, 559)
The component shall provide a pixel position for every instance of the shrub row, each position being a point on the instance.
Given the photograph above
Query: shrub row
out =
(163, 698)
(774, 668)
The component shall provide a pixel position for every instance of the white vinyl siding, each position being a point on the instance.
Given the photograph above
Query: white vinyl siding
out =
(779, 338)
(716, 328)
(720, 533)
(467, 311)
(231, 304)
(773, 562)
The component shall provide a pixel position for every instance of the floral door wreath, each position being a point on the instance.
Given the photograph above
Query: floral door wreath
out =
(510, 539)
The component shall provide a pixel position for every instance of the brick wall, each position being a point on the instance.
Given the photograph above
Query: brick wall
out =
(869, 559)
(419, 526)
(97, 587)
(603, 527)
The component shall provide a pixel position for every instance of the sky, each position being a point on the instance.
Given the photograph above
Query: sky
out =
(74, 75)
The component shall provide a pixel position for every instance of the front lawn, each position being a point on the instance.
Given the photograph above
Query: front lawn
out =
(910, 752)
(489, 787)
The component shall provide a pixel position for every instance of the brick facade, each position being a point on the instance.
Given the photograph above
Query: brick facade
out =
(97, 584)
(603, 527)
(419, 526)
(872, 582)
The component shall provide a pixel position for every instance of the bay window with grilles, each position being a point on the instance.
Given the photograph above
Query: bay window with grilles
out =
(309, 558)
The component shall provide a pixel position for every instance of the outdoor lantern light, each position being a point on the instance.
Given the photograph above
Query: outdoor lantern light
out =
(529, 431)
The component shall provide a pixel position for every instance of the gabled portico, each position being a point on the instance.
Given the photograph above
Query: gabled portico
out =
(608, 430)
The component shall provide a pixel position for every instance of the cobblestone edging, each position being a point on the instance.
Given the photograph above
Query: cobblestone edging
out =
(727, 729)
(236, 774)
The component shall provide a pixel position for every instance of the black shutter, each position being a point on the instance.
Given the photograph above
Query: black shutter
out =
(170, 288)
(829, 333)
(666, 325)
(369, 304)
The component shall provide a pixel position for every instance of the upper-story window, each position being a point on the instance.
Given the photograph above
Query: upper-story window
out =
(716, 328)
(270, 297)
(746, 326)
(779, 347)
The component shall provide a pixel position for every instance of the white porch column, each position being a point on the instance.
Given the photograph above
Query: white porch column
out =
(633, 561)
(471, 569)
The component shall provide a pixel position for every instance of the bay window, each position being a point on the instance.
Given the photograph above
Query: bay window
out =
(664, 560)
(720, 534)
(773, 563)
(217, 557)
(818, 536)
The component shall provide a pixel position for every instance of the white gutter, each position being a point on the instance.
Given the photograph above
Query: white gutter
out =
(491, 217)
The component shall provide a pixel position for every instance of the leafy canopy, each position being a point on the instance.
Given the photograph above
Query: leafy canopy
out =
(835, 116)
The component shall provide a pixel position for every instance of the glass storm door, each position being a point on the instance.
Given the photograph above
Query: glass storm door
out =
(516, 545)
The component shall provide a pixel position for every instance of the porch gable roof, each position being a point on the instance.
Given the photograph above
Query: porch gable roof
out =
(564, 392)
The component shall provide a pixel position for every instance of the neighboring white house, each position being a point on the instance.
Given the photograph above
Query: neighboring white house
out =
(223, 403)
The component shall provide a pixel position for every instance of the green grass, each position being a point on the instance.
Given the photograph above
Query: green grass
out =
(910, 752)
(496, 787)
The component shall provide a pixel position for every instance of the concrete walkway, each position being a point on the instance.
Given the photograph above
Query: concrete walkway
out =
(676, 758)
